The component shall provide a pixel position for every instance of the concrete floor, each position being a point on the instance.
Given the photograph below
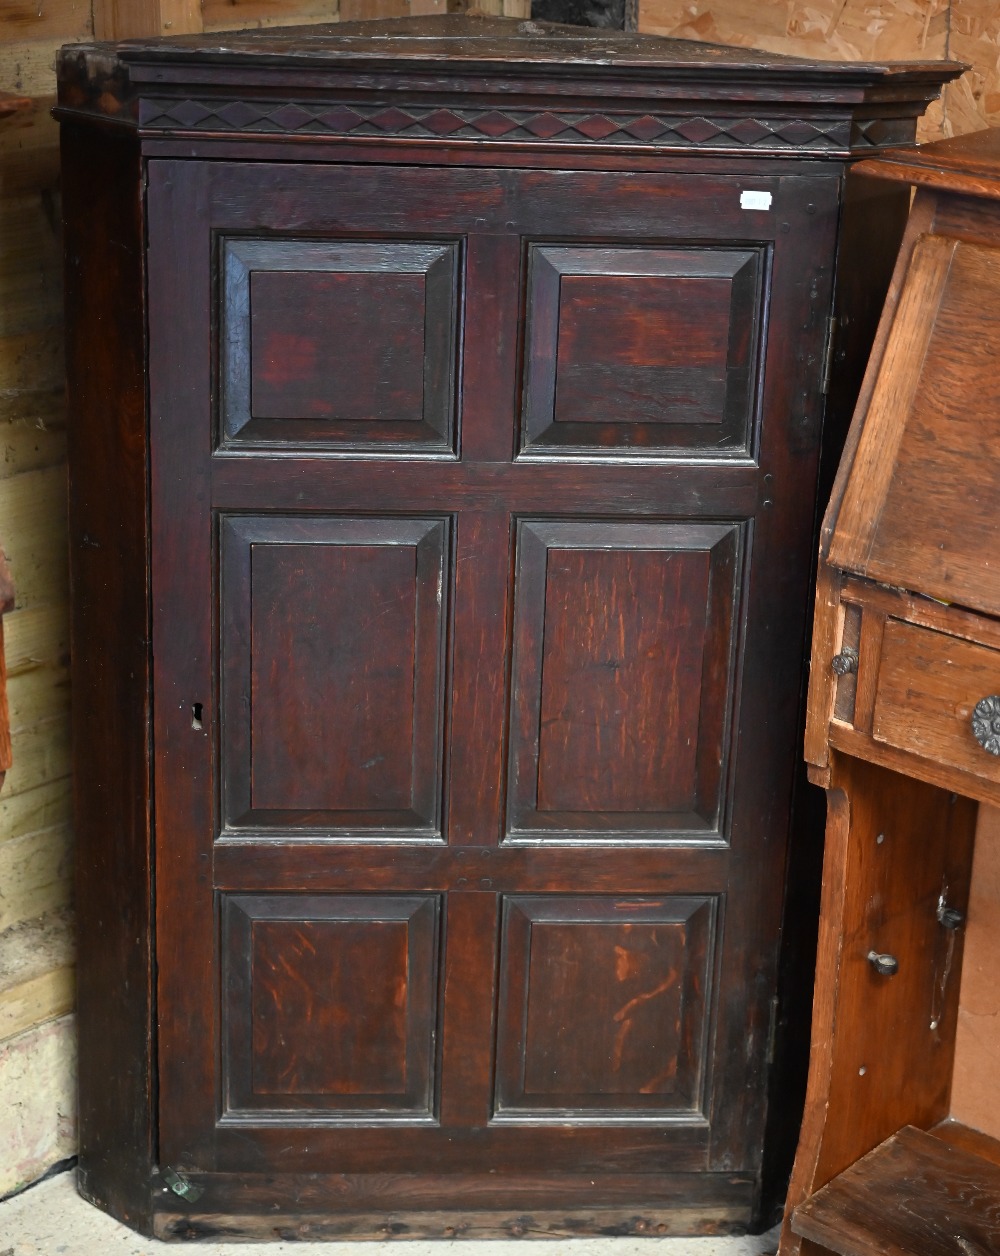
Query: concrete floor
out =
(50, 1219)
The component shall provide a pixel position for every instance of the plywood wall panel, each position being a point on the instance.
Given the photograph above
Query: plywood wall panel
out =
(837, 30)
(974, 101)
(859, 30)
(974, 1099)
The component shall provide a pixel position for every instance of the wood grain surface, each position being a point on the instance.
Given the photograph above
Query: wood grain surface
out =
(420, 866)
(882, 1047)
(915, 1195)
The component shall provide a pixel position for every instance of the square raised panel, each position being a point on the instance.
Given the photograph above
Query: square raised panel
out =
(634, 351)
(342, 344)
(622, 679)
(330, 1005)
(333, 640)
(604, 1006)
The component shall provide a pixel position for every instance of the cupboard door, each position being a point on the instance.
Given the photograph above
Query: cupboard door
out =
(482, 509)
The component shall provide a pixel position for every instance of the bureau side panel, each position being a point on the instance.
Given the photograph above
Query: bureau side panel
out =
(872, 218)
(110, 665)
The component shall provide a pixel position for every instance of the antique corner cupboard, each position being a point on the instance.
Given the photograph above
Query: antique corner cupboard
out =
(447, 410)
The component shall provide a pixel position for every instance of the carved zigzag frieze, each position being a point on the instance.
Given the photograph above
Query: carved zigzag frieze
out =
(605, 127)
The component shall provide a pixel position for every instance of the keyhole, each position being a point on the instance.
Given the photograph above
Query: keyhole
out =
(196, 715)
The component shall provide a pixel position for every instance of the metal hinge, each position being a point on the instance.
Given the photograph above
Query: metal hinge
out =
(772, 1030)
(827, 371)
(182, 1186)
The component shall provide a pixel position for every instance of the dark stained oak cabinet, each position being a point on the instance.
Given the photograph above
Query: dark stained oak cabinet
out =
(448, 409)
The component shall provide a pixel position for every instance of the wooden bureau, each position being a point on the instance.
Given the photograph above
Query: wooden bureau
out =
(448, 404)
(900, 1144)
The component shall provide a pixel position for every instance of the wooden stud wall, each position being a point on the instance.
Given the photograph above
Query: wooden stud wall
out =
(120, 19)
(858, 30)
(36, 976)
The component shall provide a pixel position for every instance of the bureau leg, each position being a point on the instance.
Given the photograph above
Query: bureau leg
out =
(882, 1041)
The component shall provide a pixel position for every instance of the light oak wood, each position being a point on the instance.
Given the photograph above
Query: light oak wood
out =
(920, 509)
(928, 685)
(869, 657)
(881, 1046)
(909, 543)
(891, 403)
(938, 616)
(848, 740)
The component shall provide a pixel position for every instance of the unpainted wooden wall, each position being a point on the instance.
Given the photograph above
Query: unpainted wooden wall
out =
(859, 30)
(36, 974)
(36, 977)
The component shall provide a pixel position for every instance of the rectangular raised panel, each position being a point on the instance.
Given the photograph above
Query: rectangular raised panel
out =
(641, 350)
(604, 1006)
(333, 636)
(343, 344)
(330, 1005)
(928, 687)
(620, 720)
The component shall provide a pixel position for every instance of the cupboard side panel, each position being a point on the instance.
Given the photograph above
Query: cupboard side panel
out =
(110, 674)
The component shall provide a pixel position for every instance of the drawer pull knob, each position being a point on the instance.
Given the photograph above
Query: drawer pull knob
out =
(950, 917)
(846, 661)
(884, 965)
(986, 723)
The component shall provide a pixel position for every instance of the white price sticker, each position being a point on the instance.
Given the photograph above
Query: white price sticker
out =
(755, 200)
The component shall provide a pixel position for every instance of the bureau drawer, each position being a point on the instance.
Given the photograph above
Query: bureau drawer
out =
(928, 686)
